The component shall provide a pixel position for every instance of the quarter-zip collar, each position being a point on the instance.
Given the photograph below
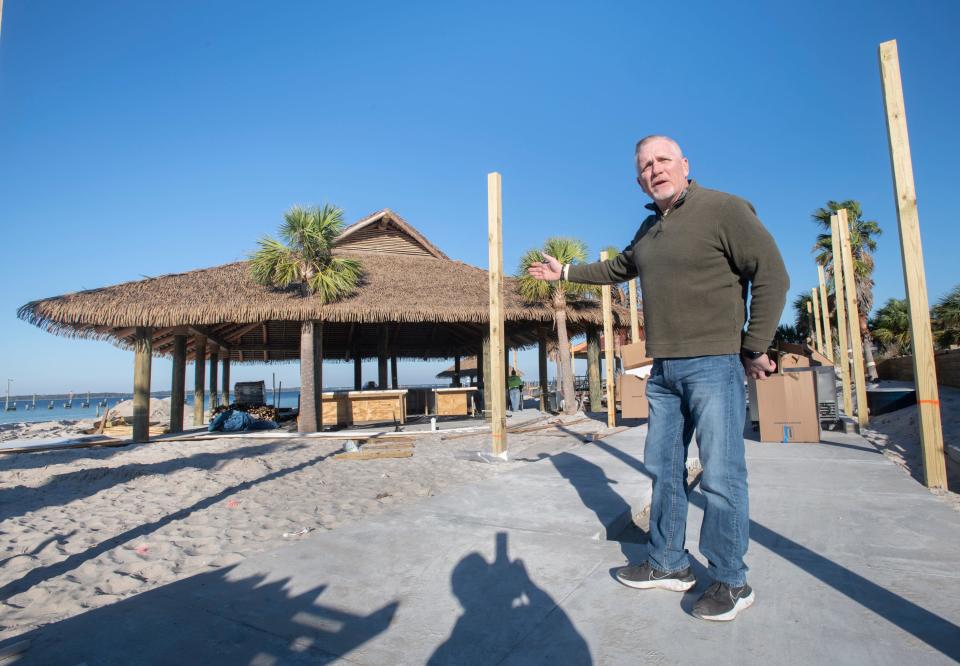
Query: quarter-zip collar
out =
(690, 189)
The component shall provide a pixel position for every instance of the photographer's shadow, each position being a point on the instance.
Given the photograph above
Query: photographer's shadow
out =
(501, 606)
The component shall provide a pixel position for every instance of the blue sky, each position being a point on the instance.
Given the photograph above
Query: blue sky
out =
(128, 131)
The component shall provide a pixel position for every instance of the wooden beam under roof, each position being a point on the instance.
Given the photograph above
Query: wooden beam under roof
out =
(211, 337)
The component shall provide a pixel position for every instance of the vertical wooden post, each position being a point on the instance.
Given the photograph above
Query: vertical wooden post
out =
(456, 371)
(143, 350)
(924, 369)
(814, 308)
(608, 351)
(483, 371)
(593, 369)
(178, 382)
(497, 379)
(825, 307)
(225, 384)
(383, 341)
(811, 335)
(634, 316)
(199, 374)
(214, 389)
(542, 367)
(393, 371)
(842, 363)
(357, 366)
(853, 315)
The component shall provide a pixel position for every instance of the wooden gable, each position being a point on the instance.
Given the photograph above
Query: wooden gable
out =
(386, 232)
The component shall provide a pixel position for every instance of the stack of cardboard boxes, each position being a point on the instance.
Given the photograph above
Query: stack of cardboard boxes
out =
(633, 382)
(786, 404)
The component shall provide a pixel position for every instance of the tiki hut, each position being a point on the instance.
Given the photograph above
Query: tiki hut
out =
(413, 302)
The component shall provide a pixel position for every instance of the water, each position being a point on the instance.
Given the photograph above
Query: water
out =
(60, 413)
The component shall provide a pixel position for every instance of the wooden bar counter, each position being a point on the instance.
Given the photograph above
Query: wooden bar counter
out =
(453, 401)
(350, 407)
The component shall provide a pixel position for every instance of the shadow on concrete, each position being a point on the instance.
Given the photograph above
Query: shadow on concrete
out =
(501, 605)
(595, 490)
(40, 574)
(926, 626)
(87, 482)
(207, 619)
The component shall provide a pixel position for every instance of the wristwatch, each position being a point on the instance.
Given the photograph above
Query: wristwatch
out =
(751, 355)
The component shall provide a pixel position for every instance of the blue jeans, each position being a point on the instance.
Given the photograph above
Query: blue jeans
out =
(515, 402)
(703, 394)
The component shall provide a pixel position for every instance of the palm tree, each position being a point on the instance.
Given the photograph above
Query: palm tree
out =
(946, 319)
(555, 295)
(891, 327)
(803, 327)
(305, 258)
(863, 244)
(788, 333)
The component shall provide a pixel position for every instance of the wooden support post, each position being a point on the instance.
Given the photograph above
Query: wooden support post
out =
(634, 315)
(383, 340)
(542, 367)
(225, 384)
(814, 309)
(393, 372)
(199, 375)
(357, 365)
(811, 336)
(214, 389)
(456, 371)
(311, 377)
(842, 362)
(853, 315)
(143, 350)
(178, 382)
(497, 379)
(825, 306)
(608, 350)
(483, 371)
(924, 369)
(593, 369)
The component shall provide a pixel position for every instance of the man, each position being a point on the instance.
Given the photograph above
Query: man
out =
(698, 255)
(515, 388)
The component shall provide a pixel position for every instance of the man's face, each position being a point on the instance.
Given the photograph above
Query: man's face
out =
(662, 171)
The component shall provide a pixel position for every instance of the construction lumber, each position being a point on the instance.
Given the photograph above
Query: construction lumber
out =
(825, 307)
(853, 314)
(842, 363)
(814, 308)
(498, 388)
(924, 369)
(608, 350)
(634, 315)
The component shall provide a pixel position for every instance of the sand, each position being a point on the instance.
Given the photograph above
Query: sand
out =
(897, 435)
(83, 528)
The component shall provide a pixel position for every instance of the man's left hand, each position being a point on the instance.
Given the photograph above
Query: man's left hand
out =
(758, 368)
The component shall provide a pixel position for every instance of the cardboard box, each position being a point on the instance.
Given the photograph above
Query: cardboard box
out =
(792, 360)
(634, 355)
(633, 397)
(816, 358)
(787, 407)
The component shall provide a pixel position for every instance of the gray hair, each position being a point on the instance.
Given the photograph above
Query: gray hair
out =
(651, 137)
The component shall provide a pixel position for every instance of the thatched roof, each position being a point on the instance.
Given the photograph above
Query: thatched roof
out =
(407, 284)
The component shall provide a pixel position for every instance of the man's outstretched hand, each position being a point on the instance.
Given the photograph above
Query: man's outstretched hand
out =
(546, 270)
(758, 368)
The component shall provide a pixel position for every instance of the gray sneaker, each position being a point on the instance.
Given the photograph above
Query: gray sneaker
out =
(644, 577)
(722, 603)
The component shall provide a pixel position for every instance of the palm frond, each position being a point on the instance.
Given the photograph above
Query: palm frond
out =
(274, 264)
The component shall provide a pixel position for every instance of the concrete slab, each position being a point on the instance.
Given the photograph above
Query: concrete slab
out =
(852, 561)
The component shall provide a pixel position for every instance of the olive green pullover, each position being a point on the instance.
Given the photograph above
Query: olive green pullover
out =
(696, 264)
